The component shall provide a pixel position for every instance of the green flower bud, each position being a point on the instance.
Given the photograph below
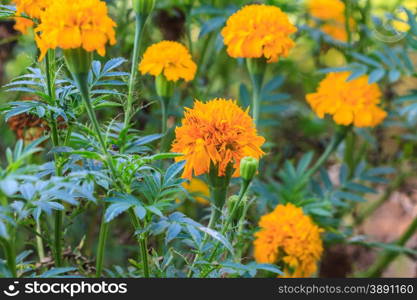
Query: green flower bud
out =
(143, 7)
(248, 168)
(164, 87)
(232, 201)
(78, 60)
(256, 66)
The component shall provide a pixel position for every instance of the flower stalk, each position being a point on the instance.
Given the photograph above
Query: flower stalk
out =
(104, 231)
(337, 138)
(10, 253)
(256, 68)
(387, 257)
(59, 216)
(78, 62)
(142, 243)
(143, 9)
(164, 90)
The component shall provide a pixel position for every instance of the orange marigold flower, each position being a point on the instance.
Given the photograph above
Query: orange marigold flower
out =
(349, 102)
(30, 8)
(169, 58)
(71, 24)
(289, 237)
(259, 31)
(217, 132)
(332, 12)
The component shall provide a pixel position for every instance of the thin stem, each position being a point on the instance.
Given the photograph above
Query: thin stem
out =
(81, 80)
(398, 181)
(164, 109)
(387, 257)
(338, 137)
(142, 243)
(10, 253)
(134, 69)
(226, 227)
(39, 242)
(50, 73)
(218, 195)
(9, 244)
(348, 16)
(104, 230)
(256, 97)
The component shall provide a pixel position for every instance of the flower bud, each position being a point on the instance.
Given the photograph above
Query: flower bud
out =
(232, 202)
(78, 60)
(256, 66)
(164, 87)
(248, 168)
(143, 7)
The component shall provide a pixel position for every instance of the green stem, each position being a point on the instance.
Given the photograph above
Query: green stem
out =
(348, 16)
(10, 253)
(229, 221)
(39, 242)
(142, 243)
(81, 79)
(134, 68)
(256, 98)
(398, 181)
(387, 257)
(50, 73)
(337, 138)
(9, 244)
(164, 108)
(104, 231)
(218, 196)
(256, 69)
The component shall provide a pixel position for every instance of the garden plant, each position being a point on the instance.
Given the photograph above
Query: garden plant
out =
(208, 139)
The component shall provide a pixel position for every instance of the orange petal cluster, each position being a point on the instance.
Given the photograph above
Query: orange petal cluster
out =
(259, 31)
(289, 237)
(217, 132)
(71, 24)
(348, 102)
(169, 58)
(30, 8)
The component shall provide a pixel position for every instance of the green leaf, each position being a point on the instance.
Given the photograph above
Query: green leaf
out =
(115, 209)
(217, 236)
(173, 230)
(161, 156)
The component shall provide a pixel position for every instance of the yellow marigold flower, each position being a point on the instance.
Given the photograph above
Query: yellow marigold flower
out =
(217, 132)
(169, 58)
(259, 31)
(349, 102)
(332, 12)
(31, 8)
(72, 24)
(289, 237)
(199, 190)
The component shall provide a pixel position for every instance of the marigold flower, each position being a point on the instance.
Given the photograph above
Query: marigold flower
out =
(199, 189)
(290, 237)
(332, 12)
(169, 58)
(31, 8)
(72, 24)
(349, 102)
(217, 132)
(259, 31)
